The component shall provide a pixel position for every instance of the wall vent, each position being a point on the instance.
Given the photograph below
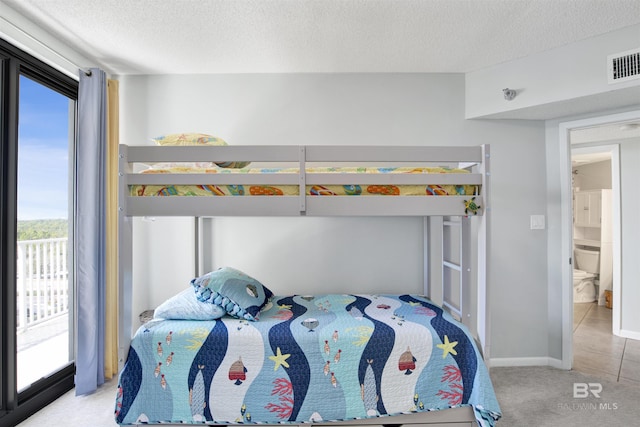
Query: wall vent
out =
(623, 66)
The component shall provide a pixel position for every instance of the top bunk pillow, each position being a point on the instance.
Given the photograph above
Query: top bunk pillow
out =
(237, 293)
(182, 139)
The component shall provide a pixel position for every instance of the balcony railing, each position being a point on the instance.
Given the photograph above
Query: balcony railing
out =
(42, 281)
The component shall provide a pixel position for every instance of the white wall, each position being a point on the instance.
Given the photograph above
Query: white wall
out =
(568, 73)
(593, 176)
(346, 254)
(630, 235)
(29, 37)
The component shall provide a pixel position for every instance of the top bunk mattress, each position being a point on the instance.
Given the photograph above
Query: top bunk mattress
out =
(321, 189)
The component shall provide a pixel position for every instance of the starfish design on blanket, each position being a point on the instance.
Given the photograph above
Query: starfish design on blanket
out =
(279, 359)
(447, 347)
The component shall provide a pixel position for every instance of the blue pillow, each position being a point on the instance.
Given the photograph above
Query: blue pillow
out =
(186, 306)
(237, 293)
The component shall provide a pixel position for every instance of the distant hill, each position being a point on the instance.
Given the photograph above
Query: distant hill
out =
(39, 229)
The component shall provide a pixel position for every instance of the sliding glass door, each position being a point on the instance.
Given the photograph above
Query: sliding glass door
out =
(38, 106)
(44, 253)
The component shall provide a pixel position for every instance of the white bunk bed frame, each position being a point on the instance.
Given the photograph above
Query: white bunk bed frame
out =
(456, 242)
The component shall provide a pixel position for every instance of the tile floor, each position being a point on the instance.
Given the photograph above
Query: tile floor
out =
(597, 352)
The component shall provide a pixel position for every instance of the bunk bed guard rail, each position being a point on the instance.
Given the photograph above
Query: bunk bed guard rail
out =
(300, 204)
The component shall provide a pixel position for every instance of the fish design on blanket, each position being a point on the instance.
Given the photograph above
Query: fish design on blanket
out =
(369, 391)
(156, 371)
(238, 372)
(377, 348)
(310, 323)
(465, 356)
(334, 337)
(407, 362)
(142, 419)
(169, 359)
(159, 349)
(336, 358)
(356, 313)
(327, 368)
(168, 338)
(163, 382)
(197, 400)
(205, 364)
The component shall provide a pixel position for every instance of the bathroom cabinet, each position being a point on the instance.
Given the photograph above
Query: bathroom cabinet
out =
(588, 208)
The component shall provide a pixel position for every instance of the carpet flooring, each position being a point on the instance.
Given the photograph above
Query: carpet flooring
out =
(544, 397)
(529, 396)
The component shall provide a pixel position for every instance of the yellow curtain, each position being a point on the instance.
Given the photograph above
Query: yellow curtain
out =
(111, 317)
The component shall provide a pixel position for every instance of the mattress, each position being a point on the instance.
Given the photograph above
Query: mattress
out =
(312, 190)
(307, 359)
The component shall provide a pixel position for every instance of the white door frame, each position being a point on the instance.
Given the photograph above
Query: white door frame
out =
(567, 225)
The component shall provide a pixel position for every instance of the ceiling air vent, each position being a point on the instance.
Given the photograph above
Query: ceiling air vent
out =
(623, 66)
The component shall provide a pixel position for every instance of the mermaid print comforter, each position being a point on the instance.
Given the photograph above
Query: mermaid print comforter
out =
(308, 359)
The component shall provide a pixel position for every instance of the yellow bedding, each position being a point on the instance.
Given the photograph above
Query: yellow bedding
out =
(313, 190)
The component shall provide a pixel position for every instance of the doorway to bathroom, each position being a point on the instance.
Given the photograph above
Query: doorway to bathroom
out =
(601, 177)
(591, 184)
(594, 174)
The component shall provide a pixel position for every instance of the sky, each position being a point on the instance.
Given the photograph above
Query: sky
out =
(43, 152)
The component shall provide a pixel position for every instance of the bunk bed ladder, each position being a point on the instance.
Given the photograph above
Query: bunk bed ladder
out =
(449, 266)
(456, 274)
(449, 261)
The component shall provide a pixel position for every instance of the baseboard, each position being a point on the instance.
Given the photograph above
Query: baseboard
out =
(501, 362)
(625, 333)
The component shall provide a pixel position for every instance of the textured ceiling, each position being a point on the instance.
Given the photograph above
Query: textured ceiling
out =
(263, 36)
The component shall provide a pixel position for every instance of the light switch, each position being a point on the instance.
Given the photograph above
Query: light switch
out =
(537, 222)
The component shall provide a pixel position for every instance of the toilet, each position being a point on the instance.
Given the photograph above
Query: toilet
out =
(587, 264)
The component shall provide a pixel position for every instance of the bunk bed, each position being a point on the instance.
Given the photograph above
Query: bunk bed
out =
(289, 358)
